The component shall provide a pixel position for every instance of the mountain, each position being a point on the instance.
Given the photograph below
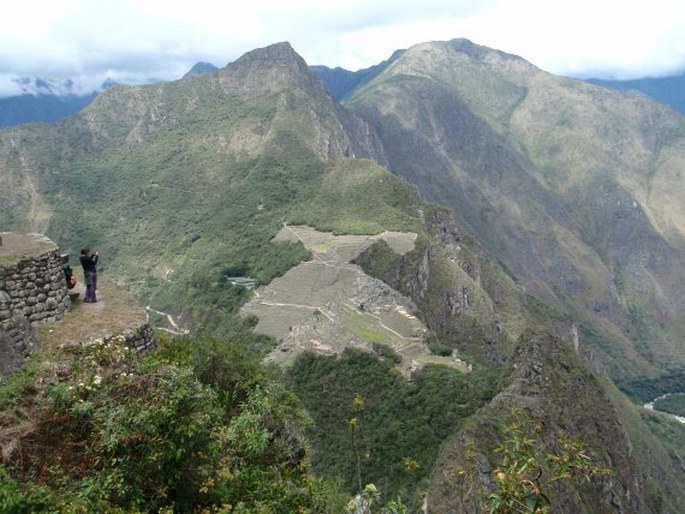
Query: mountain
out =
(200, 68)
(465, 237)
(667, 90)
(198, 174)
(44, 100)
(15, 110)
(49, 100)
(572, 187)
(340, 82)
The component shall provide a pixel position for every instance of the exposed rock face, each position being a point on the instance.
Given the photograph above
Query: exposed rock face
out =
(557, 396)
(442, 276)
(574, 188)
(275, 69)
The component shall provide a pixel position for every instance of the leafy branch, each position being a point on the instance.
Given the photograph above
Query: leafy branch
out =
(528, 469)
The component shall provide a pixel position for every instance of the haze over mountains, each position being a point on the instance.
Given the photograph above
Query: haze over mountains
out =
(667, 90)
(44, 100)
(545, 215)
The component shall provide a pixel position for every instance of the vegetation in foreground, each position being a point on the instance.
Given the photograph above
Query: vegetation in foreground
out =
(193, 427)
(201, 426)
(378, 428)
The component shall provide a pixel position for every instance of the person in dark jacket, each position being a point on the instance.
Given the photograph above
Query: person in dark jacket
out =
(89, 263)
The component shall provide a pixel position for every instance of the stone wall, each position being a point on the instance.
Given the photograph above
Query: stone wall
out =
(35, 288)
(32, 290)
(140, 338)
(16, 342)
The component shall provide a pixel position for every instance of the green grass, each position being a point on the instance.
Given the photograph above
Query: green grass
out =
(367, 329)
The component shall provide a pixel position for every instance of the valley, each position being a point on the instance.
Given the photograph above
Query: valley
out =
(658, 405)
(365, 291)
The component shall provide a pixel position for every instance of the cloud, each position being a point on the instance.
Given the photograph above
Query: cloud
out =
(143, 40)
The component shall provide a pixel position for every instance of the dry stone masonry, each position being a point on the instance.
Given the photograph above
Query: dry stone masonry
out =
(140, 338)
(32, 290)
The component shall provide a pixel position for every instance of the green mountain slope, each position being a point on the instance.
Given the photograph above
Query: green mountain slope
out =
(180, 185)
(184, 186)
(574, 188)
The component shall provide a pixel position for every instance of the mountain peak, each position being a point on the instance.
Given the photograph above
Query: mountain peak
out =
(479, 52)
(201, 68)
(270, 68)
(280, 54)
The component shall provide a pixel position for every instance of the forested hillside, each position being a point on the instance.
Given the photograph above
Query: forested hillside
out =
(375, 292)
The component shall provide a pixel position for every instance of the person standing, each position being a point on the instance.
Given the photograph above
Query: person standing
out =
(89, 263)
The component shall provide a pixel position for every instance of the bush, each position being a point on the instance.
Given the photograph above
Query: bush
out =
(385, 351)
(436, 347)
(190, 427)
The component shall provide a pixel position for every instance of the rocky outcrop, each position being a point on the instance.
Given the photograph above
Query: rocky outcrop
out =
(552, 390)
(442, 275)
(140, 338)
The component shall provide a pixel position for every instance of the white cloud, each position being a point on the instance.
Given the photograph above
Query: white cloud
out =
(140, 40)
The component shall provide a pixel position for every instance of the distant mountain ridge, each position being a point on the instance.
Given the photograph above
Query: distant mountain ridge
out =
(340, 83)
(667, 90)
(200, 68)
(48, 100)
(45, 100)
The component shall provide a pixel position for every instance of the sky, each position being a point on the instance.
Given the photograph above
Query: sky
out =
(140, 41)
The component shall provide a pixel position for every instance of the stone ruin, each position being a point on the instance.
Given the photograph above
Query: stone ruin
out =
(32, 290)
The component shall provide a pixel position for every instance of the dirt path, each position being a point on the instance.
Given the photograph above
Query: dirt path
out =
(115, 311)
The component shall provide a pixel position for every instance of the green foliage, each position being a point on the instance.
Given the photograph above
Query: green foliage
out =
(360, 197)
(399, 429)
(16, 498)
(386, 352)
(379, 260)
(368, 501)
(196, 426)
(672, 404)
(528, 469)
(647, 389)
(437, 347)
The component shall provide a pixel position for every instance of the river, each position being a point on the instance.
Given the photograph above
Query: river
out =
(650, 406)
